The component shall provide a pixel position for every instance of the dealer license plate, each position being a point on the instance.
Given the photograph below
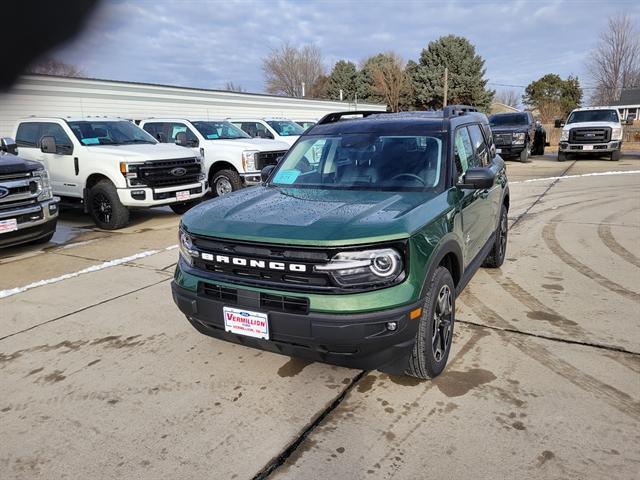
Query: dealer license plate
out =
(587, 147)
(246, 322)
(7, 226)
(182, 196)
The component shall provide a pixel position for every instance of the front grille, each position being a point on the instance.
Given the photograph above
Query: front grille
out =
(284, 304)
(268, 158)
(502, 139)
(590, 135)
(217, 292)
(157, 173)
(22, 190)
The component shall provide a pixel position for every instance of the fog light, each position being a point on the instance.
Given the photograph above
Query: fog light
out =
(53, 207)
(391, 326)
(138, 194)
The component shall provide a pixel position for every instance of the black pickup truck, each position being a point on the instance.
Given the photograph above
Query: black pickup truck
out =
(28, 209)
(517, 135)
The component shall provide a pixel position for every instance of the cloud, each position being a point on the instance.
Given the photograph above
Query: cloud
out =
(205, 44)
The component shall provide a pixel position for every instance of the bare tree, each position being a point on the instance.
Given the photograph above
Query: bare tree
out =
(390, 80)
(615, 62)
(287, 68)
(508, 97)
(53, 66)
(234, 87)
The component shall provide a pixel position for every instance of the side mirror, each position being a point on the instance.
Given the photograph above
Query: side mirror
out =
(48, 145)
(558, 123)
(266, 172)
(478, 178)
(492, 151)
(181, 139)
(8, 144)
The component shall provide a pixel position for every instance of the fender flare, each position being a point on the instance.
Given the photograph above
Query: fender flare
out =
(450, 245)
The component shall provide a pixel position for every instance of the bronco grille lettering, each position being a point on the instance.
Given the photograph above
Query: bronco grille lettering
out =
(252, 263)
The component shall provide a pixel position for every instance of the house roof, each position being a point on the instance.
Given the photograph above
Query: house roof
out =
(629, 96)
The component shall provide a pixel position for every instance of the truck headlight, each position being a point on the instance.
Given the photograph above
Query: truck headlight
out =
(44, 184)
(187, 250)
(564, 136)
(518, 138)
(367, 267)
(616, 133)
(249, 160)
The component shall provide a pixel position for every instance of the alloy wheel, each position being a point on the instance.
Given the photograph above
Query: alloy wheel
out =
(102, 207)
(502, 243)
(223, 185)
(442, 323)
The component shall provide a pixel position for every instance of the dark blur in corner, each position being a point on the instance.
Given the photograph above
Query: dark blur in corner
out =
(47, 25)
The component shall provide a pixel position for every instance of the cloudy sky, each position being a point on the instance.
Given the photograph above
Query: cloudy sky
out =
(203, 43)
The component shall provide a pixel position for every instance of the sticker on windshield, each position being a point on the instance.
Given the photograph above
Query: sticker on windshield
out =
(286, 176)
(91, 141)
(212, 136)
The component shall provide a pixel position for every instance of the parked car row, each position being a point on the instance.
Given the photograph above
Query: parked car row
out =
(109, 166)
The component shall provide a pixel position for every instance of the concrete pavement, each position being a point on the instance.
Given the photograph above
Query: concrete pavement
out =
(102, 377)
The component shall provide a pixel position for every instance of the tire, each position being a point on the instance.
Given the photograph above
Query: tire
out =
(524, 155)
(105, 207)
(495, 259)
(180, 208)
(562, 156)
(615, 156)
(225, 181)
(427, 361)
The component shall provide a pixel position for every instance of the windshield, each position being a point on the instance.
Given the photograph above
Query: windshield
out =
(509, 119)
(285, 128)
(219, 130)
(365, 161)
(593, 116)
(119, 132)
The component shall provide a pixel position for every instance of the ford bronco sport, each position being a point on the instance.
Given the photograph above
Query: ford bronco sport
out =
(353, 249)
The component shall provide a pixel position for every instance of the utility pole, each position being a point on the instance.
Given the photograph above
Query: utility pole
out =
(446, 86)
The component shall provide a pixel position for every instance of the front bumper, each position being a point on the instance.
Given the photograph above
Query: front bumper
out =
(144, 197)
(509, 150)
(588, 148)
(251, 178)
(34, 222)
(360, 340)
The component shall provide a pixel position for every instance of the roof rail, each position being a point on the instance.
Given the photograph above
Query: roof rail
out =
(335, 116)
(457, 110)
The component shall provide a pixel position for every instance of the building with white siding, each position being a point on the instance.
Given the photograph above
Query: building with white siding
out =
(46, 95)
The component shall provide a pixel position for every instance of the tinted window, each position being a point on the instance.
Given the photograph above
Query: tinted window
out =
(28, 135)
(176, 128)
(157, 130)
(255, 129)
(219, 130)
(463, 150)
(509, 119)
(286, 128)
(57, 132)
(481, 153)
(119, 132)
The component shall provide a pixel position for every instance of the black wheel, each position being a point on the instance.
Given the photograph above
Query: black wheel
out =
(615, 156)
(562, 156)
(524, 155)
(495, 259)
(105, 206)
(180, 208)
(225, 181)
(435, 330)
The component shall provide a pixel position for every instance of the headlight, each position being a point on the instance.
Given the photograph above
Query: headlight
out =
(366, 267)
(44, 184)
(519, 137)
(564, 136)
(187, 250)
(130, 173)
(616, 133)
(249, 160)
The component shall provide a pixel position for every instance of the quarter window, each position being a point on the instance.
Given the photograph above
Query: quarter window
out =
(463, 151)
(480, 151)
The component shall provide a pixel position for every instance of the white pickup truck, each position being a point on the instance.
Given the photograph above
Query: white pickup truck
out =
(231, 158)
(281, 129)
(593, 131)
(111, 166)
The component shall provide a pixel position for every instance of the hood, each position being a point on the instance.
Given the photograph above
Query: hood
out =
(313, 216)
(142, 152)
(569, 126)
(510, 129)
(10, 164)
(289, 139)
(261, 144)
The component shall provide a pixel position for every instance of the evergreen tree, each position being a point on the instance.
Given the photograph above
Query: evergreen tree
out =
(466, 83)
(553, 97)
(345, 77)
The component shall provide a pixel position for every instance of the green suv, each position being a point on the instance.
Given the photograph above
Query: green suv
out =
(354, 247)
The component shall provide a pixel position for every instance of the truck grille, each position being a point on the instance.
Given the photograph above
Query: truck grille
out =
(502, 138)
(268, 158)
(590, 135)
(18, 191)
(166, 173)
